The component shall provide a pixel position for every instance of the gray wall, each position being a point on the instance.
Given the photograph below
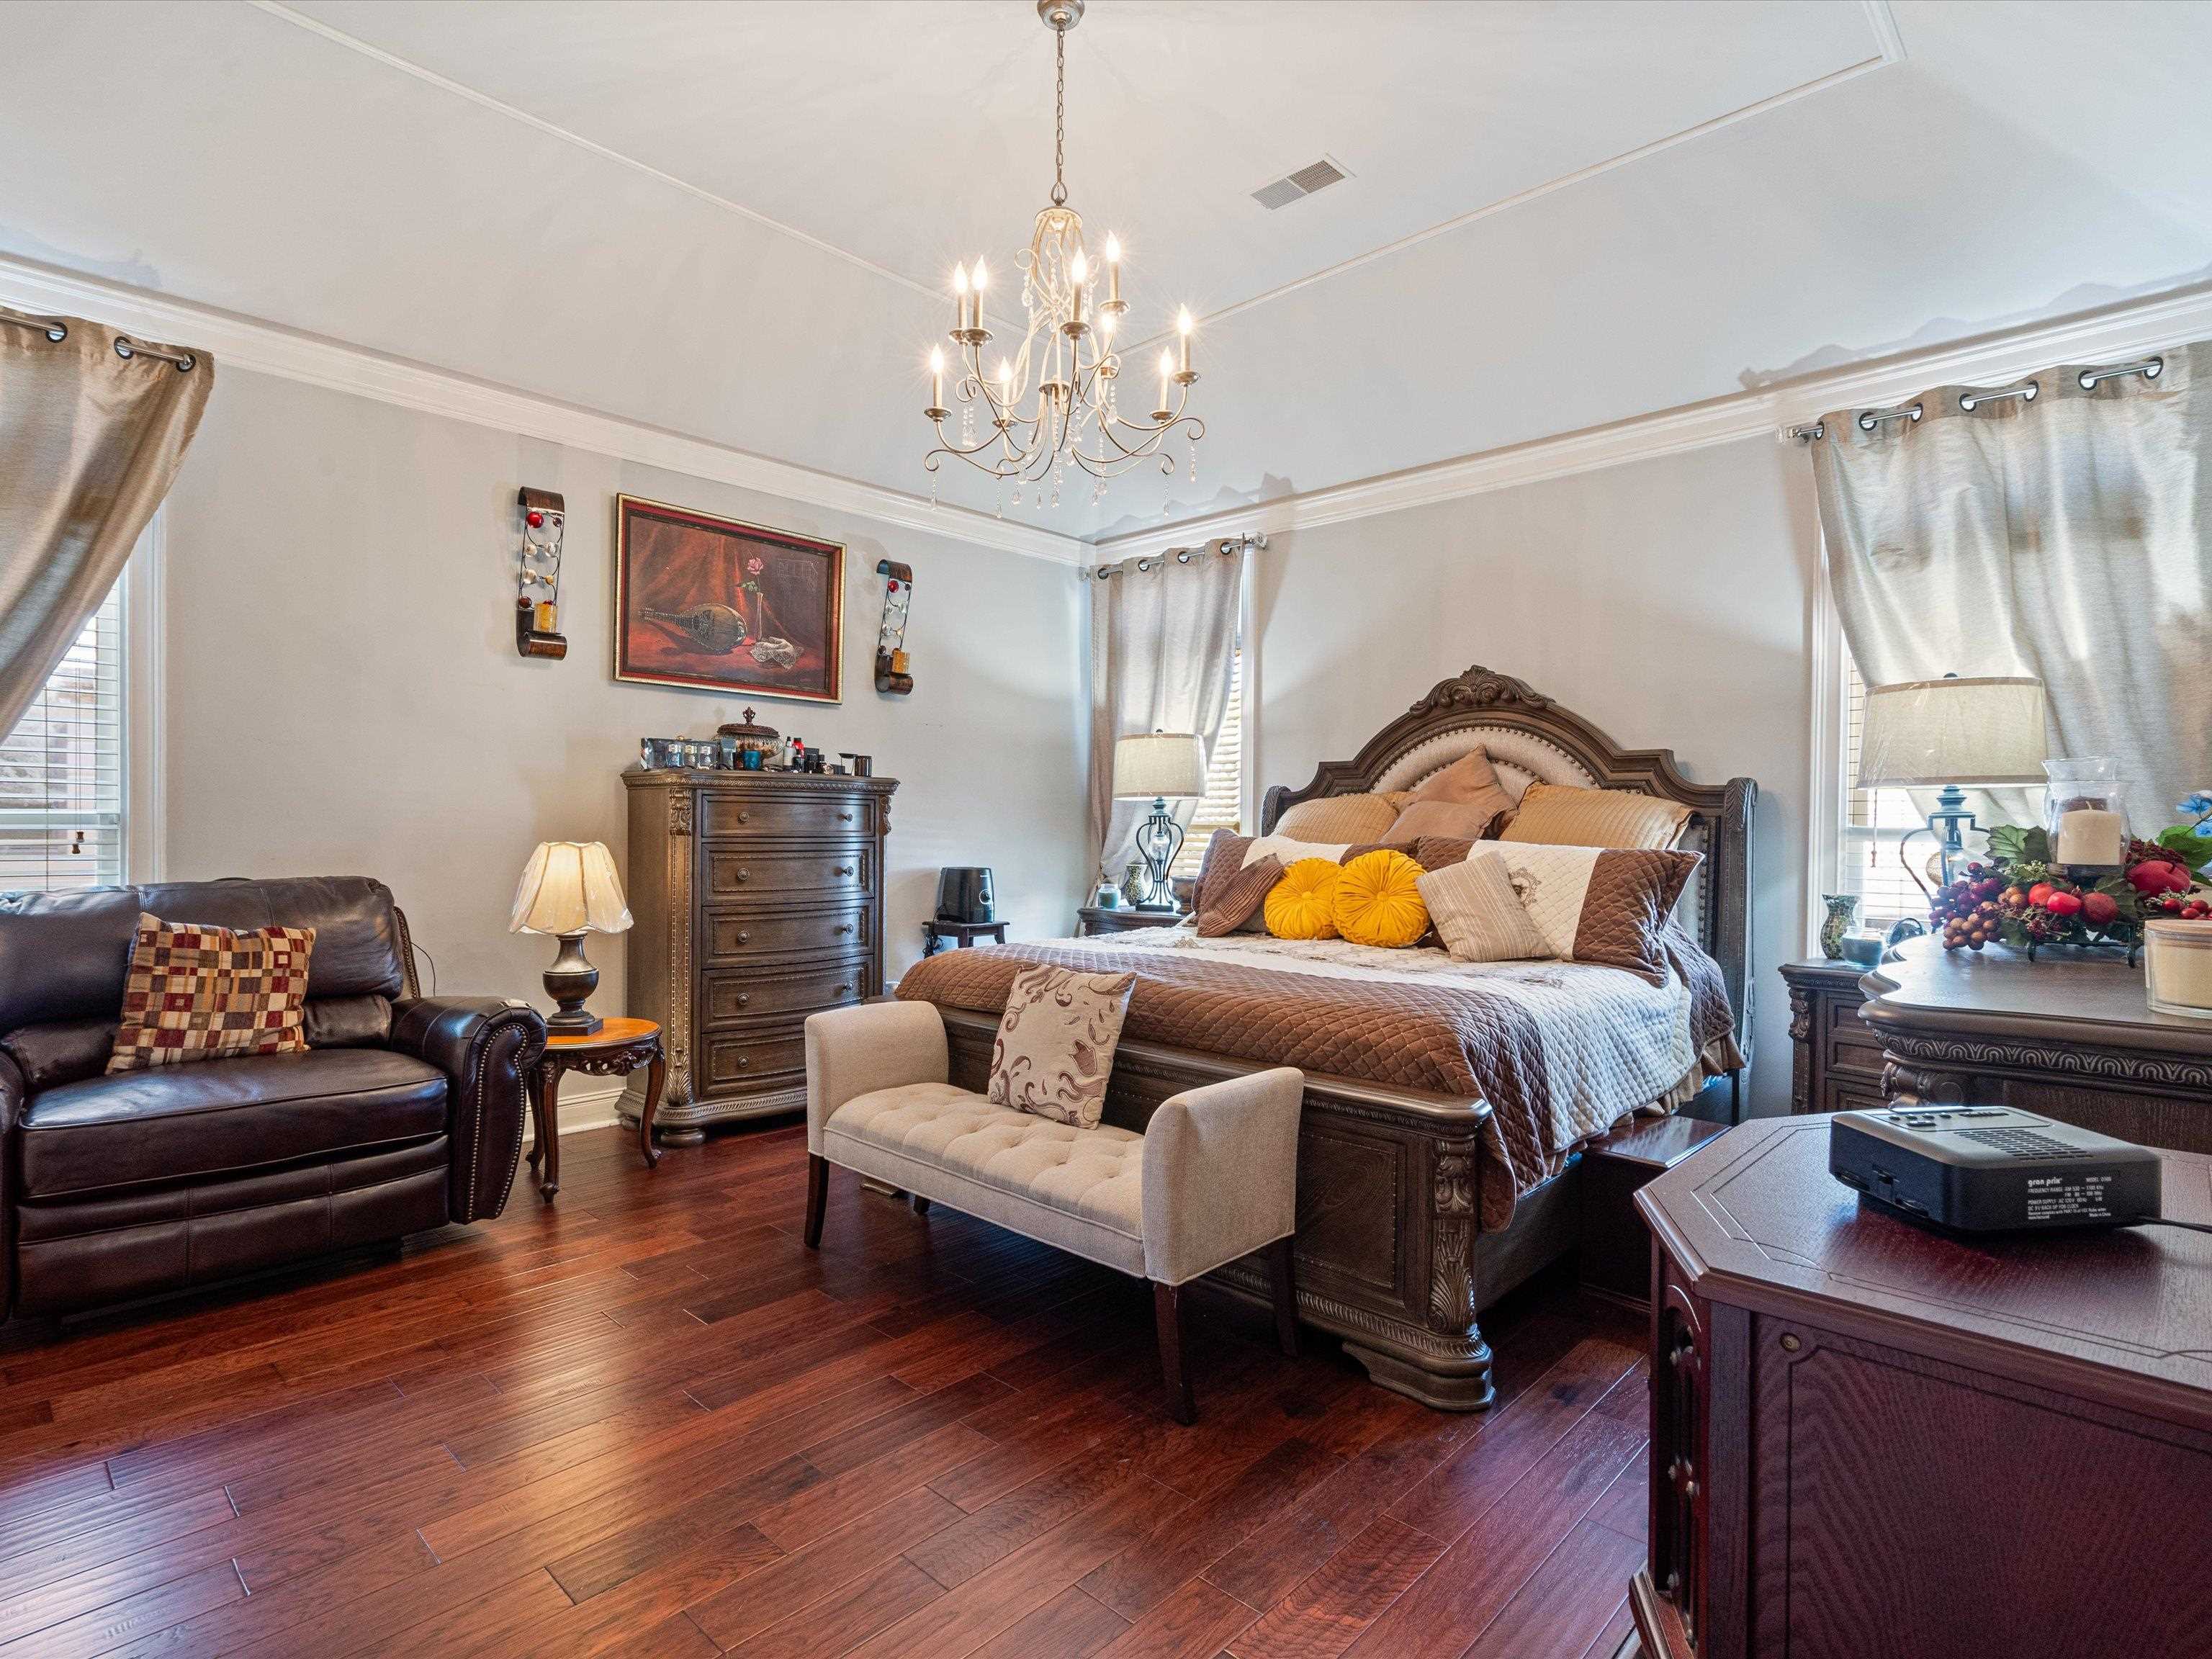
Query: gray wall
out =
(343, 694)
(1668, 601)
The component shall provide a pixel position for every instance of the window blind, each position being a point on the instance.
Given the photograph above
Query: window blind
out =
(61, 768)
(1875, 821)
(1223, 805)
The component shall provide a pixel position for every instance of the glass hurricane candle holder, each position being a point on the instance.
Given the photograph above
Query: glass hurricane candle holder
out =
(2083, 816)
(2178, 966)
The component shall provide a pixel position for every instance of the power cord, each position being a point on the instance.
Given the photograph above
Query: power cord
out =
(2169, 1221)
(432, 960)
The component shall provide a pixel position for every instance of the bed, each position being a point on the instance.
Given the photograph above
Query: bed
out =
(1430, 1181)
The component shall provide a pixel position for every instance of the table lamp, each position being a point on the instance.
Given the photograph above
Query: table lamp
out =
(1161, 766)
(1920, 734)
(569, 889)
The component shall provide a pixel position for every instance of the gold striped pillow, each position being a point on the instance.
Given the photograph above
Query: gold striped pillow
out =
(1554, 815)
(1339, 819)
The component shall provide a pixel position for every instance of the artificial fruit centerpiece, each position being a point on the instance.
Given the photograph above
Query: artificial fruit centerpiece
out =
(2018, 897)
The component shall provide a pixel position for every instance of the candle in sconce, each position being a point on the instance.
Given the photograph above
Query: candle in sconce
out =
(1182, 333)
(936, 379)
(1080, 271)
(1113, 270)
(1167, 374)
(982, 280)
(959, 298)
(1005, 387)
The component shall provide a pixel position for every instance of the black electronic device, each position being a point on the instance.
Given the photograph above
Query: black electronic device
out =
(965, 894)
(1992, 1169)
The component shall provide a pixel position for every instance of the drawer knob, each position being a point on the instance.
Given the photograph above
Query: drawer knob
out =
(744, 817)
(744, 936)
(844, 869)
(743, 875)
(745, 999)
(843, 927)
(844, 986)
(744, 1060)
(844, 817)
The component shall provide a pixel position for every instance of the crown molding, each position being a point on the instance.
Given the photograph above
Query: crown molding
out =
(266, 348)
(2109, 333)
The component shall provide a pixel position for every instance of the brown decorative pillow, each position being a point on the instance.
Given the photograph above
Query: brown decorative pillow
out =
(1225, 855)
(209, 994)
(1236, 899)
(1552, 815)
(1056, 1042)
(1469, 781)
(1476, 914)
(1449, 820)
(1598, 904)
(1339, 818)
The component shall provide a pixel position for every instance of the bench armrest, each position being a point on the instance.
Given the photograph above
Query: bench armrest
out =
(486, 1047)
(1221, 1173)
(851, 1052)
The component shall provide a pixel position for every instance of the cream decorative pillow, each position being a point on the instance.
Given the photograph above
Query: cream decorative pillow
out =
(1055, 1047)
(1556, 815)
(1350, 819)
(1478, 914)
(1598, 904)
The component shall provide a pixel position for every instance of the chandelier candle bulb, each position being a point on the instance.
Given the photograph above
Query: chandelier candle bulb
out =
(1182, 335)
(1113, 274)
(959, 300)
(936, 409)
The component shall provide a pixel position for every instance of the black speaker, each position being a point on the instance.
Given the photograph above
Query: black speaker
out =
(964, 895)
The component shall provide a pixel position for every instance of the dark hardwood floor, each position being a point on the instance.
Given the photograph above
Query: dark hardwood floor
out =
(645, 1421)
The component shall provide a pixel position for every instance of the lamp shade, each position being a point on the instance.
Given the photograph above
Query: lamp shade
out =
(1987, 730)
(1166, 764)
(569, 887)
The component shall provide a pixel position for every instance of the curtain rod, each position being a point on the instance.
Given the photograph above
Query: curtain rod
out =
(2150, 368)
(1224, 545)
(57, 329)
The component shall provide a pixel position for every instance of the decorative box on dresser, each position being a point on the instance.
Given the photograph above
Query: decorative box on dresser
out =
(758, 900)
(1869, 1439)
(1837, 1061)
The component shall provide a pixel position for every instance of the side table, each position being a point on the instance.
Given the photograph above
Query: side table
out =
(618, 1047)
(937, 930)
(1094, 918)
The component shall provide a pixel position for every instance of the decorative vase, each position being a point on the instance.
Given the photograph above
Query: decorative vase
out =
(1136, 883)
(1843, 910)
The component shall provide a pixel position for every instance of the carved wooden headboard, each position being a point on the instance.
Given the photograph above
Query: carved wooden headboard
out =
(1529, 738)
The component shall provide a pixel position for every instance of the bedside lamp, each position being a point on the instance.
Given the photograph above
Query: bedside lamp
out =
(1162, 766)
(1925, 733)
(569, 889)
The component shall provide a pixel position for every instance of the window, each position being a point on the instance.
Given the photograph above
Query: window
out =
(61, 769)
(1223, 807)
(1875, 821)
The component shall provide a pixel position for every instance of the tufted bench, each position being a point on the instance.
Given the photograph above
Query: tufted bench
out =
(1213, 1177)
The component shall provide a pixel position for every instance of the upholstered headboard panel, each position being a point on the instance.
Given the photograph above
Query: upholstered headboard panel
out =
(1528, 739)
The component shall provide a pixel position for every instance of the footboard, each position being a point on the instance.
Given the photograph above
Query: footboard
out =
(1388, 1251)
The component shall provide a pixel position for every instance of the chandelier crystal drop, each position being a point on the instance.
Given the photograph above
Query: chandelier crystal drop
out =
(1057, 397)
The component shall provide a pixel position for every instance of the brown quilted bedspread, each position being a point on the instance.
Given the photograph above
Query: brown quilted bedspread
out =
(1454, 1039)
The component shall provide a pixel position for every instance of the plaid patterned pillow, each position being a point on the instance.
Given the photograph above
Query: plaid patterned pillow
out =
(210, 993)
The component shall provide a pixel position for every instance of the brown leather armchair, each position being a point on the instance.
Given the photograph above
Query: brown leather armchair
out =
(404, 1114)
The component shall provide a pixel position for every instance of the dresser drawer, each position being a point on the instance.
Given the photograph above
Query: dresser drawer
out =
(733, 1057)
(739, 935)
(728, 995)
(793, 815)
(1851, 1041)
(736, 874)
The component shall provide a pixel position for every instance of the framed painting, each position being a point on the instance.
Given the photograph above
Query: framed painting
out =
(726, 605)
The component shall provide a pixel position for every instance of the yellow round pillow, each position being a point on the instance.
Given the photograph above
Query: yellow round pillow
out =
(1376, 901)
(1303, 904)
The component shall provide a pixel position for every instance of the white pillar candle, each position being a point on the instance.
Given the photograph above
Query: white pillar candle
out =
(2178, 966)
(2091, 835)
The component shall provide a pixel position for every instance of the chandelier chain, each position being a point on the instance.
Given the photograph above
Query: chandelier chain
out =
(1059, 117)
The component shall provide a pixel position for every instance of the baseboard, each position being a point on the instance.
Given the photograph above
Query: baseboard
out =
(585, 1105)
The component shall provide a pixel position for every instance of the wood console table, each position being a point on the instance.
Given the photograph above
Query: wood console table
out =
(2070, 1035)
(1869, 1439)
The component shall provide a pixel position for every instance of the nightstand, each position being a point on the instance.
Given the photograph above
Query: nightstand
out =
(1838, 1060)
(1093, 919)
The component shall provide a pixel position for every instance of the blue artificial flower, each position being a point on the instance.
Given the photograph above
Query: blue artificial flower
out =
(2203, 829)
(2198, 803)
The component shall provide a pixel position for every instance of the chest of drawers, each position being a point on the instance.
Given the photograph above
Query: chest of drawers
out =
(758, 900)
(1837, 1060)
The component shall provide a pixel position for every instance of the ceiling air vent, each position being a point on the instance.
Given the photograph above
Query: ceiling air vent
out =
(1314, 175)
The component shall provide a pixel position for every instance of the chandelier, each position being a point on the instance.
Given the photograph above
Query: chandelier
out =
(1059, 398)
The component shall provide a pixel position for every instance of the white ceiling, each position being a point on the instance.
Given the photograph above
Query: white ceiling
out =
(734, 219)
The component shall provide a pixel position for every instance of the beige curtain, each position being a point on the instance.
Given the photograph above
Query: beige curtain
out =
(1162, 636)
(2069, 537)
(89, 441)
